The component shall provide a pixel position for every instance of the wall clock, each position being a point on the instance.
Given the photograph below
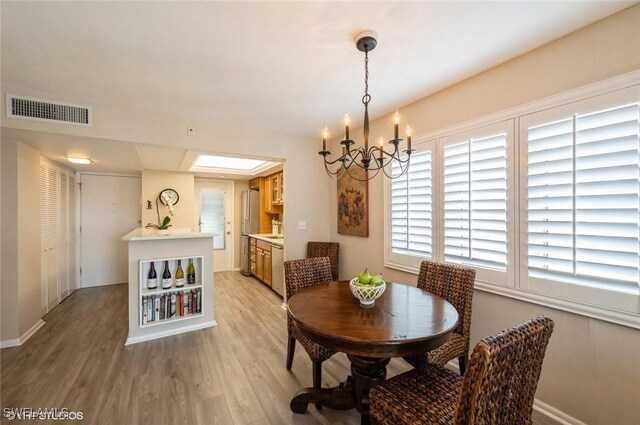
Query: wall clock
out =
(169, 195)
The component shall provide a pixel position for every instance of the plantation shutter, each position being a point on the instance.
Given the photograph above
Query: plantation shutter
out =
(411, 207)
(475, 201)
(584, 197)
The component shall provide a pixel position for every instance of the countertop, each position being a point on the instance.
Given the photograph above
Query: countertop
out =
(140, 234)
(268, 237)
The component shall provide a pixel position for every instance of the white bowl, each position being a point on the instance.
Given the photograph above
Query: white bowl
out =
(366, 294)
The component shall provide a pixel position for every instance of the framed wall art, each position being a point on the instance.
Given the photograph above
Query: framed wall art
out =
(353, 203)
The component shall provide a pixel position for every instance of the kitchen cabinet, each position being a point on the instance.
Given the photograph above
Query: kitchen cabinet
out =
(271, 190)
(268, 195)
(254, 184)
(266, 258)
(252, 256)
(262, 268)
(277, 188)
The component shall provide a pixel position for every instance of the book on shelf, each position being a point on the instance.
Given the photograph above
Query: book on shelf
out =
(170, 305)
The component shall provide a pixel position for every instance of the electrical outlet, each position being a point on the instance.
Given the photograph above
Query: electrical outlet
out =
(302, 225)
(191, 131)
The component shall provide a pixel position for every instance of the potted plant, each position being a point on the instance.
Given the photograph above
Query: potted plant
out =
(162, 228)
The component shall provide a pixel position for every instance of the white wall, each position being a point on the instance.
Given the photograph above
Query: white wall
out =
(591, 371)
(155, 181)
(9, 211)
(20, 275)
(29, 237)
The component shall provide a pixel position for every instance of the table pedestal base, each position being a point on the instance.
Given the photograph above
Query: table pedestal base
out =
(354, 392)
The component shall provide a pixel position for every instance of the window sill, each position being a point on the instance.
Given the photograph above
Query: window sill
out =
(618, 317)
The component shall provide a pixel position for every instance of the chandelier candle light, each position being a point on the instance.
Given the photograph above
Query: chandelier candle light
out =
(365, 156)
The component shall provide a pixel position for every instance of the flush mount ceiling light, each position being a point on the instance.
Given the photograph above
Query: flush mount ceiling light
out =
(374, 158)
(225, 164)
(79, 160)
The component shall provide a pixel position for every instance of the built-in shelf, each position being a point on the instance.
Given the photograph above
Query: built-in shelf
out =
(155, 304)
(146, 324)
(159, 290)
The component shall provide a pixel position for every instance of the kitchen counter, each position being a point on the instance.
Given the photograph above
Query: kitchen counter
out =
(269, 237)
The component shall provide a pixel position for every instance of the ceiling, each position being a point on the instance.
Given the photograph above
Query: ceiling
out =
(285, 67)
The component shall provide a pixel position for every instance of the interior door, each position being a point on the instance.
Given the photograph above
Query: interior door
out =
(110, 208)
(215, 212)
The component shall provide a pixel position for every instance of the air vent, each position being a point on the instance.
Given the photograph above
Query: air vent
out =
(44, 110)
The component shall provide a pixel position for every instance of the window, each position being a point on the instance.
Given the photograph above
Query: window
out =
(411, 212)
(549, 214)
(212, 215)
(475, 202)
(583, 194)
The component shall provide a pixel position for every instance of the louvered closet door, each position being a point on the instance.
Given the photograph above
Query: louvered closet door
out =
(52, 236)
(63, 237)
(44, 246)
(71, 232)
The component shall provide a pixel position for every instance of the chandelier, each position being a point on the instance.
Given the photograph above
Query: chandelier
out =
(365, 157)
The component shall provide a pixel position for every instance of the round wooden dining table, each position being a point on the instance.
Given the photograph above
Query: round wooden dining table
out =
(405, 320)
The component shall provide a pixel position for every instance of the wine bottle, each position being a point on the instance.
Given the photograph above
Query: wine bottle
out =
(179, 275)
(152, 277)
(166, 276)
(191, 272)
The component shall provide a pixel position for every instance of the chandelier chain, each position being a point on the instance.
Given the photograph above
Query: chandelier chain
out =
(366, 98)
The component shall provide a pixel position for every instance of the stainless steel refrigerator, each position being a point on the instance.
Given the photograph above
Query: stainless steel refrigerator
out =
(250, 225)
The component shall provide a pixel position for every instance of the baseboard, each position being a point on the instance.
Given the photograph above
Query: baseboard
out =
(237, 269)
(543, 413)
(169, 332)
(19, 341)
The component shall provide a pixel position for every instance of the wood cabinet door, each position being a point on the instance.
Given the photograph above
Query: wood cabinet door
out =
(260, 264)
(281, 186)
(267, 267)
(275, 189)
(268, 195)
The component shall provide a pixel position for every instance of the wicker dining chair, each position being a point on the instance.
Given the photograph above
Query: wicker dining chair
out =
(298, 275)
(454, 283)
(498, 388)
(326, 249)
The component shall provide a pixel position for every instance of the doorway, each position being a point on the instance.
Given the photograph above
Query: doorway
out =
(110, 208)
(215, 215)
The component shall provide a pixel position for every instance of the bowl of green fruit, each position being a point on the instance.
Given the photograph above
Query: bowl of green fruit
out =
(367, 288)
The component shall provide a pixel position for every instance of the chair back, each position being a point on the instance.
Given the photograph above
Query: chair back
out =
(301, 274)
(500, 384)
(454, 283)
(326, 249)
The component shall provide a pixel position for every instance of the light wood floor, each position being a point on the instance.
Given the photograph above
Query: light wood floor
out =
(231, 374)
